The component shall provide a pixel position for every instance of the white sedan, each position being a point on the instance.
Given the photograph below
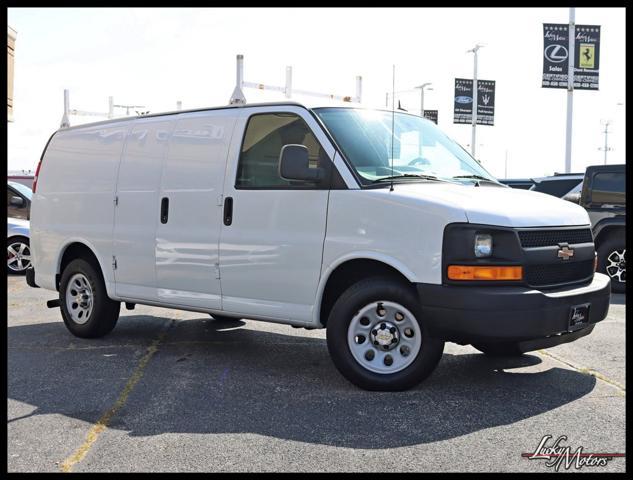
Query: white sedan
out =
(18, 247)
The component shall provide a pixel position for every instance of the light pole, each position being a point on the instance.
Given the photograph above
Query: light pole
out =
(606, 124)
(480, 145)
(422, 87)
(474, 50)
(570, 87)
(606, 147)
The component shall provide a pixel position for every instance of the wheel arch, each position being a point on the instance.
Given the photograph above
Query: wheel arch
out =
(347, 271)
(607, 228)
(78, 248)
(19, 235)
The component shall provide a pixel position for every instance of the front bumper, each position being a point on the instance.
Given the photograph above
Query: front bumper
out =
(539, 319)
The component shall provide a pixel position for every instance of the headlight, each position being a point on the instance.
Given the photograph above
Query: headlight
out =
(483, 245)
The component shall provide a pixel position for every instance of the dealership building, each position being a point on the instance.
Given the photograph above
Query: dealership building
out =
(11, 34)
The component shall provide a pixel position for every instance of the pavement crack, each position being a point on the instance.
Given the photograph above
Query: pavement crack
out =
(103, 422)
(586, 370)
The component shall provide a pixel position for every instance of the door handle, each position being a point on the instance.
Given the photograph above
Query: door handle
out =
(164, 210)
(228, 211)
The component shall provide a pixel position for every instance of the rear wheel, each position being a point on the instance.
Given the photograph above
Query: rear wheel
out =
(377, 338)
(87, 310)
(18, 255)
(504, 349)
(612, 261)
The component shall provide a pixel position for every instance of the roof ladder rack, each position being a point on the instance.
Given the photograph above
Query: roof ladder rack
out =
(65, 123)
(238, 97)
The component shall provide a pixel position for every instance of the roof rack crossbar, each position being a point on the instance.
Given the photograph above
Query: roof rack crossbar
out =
(238, 97)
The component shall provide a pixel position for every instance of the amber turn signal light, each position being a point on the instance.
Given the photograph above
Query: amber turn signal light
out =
(488, 272)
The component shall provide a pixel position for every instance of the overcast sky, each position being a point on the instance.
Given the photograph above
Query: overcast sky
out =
(155, 57)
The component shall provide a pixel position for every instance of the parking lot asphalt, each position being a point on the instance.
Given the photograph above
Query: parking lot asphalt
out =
(178, 391)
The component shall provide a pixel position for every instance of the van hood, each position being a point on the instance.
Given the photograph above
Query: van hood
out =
(493, 205)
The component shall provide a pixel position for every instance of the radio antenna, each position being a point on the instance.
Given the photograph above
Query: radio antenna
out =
(393, 118)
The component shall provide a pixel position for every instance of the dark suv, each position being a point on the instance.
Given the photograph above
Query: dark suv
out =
(603, 195)
(558, 184)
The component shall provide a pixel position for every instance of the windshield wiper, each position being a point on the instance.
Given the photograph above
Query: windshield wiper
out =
(478, 177)
(407, 175)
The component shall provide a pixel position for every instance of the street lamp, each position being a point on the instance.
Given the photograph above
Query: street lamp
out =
(422, 87)
(606, 124)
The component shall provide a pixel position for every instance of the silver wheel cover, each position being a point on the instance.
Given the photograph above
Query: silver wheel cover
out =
(616, 265)
(79, 298)
(18, 256)
(384, 337)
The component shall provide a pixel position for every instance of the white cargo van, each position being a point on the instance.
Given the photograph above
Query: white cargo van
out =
(313, 217)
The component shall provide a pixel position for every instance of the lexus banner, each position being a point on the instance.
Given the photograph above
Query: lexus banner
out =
(431, 115)
(556, 53)
(463, 107)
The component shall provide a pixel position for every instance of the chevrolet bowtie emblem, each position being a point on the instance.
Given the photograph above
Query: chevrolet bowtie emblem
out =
(565, 252)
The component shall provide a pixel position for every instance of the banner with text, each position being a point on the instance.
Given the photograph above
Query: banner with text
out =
(556, 53)
(463, 106)
(431, 115)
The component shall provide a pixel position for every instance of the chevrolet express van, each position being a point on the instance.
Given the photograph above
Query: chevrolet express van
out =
(393, 239)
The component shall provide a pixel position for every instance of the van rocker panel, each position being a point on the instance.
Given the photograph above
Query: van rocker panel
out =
(472, 314)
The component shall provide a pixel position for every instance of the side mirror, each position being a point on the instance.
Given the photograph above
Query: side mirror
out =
(294, 164)
(572, 197)
(16, 202)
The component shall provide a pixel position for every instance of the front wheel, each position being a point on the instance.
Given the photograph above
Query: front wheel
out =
(87, 310)
(377, 338)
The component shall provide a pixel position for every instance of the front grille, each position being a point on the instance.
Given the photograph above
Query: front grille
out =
(548, 238)
(558, 273)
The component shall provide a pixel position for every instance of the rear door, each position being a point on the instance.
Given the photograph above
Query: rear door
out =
(272, 243)
(189, 210)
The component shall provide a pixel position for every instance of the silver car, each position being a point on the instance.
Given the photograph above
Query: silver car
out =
(18, 247)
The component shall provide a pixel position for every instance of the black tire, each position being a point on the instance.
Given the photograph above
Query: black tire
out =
(18, 240)
(613, 243)
(504, 349)
(357, 296)
(105, 312)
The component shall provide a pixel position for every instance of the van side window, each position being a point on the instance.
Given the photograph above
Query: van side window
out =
(265, 136)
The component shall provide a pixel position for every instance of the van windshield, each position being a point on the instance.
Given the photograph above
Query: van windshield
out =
(421, 151)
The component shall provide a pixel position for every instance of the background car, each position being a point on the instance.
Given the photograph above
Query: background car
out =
(521, 183)
(18, 246)
(574, 194)
(558, 184)
(603, 195)
(18, 200)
